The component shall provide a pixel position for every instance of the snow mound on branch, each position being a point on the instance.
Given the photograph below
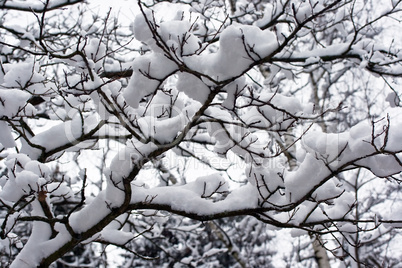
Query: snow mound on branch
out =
(188, 199)
(178, 38)
(165, 130)
(169, 42)
(363, 146)
(233, 90)
(192, 86)
(25, 75)
(6, 139)
(149, 71)
(141, 27)
(67, 133)
(239, 47)
(24, 176)
(327, 145)
(206, 186)
(171, 36)
(12, 101)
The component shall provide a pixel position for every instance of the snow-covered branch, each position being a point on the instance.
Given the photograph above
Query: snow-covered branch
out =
(282, 114)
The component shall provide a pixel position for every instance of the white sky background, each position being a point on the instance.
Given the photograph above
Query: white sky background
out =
(126, 10)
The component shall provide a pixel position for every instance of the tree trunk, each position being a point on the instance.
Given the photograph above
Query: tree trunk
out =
(320, 254)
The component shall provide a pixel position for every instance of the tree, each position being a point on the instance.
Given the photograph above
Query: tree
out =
(181, 129)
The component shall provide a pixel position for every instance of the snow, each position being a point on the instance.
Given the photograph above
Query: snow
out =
(28, 180)
(239, 46)
(18, 75)
(329, 189)
(66, 132)
(40, 233)
(394, 215)
(11, 191)
(24, 176)
(266, 176)
(13, 101)
(232, 57)
(222, 142)
(128, 158)
(163, 131)
(181, 198)
(394, 133)
(38, 168)
(115, 236)
(165, 104)
(312, 60)
(382, 165)
(33, 5)
(188, 228)
(34, 250)
(341, 206)
(95, 51)
(156, 65)
(59, 191)
(305, 9)
(267, 17)
(89, 215)
(271, 115)
(213, 251)
(149, 71)
(140, 27)
(233, 90)
(208, 185)
(327, 145)
(332, 50)
(26, 76)
(348, 228)
(178, 38)
(6, 139)
(192, 86)
(307, 211)
(300, 182)
(393, 99)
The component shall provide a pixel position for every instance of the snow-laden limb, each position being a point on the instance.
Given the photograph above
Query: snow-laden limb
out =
(281, 190)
